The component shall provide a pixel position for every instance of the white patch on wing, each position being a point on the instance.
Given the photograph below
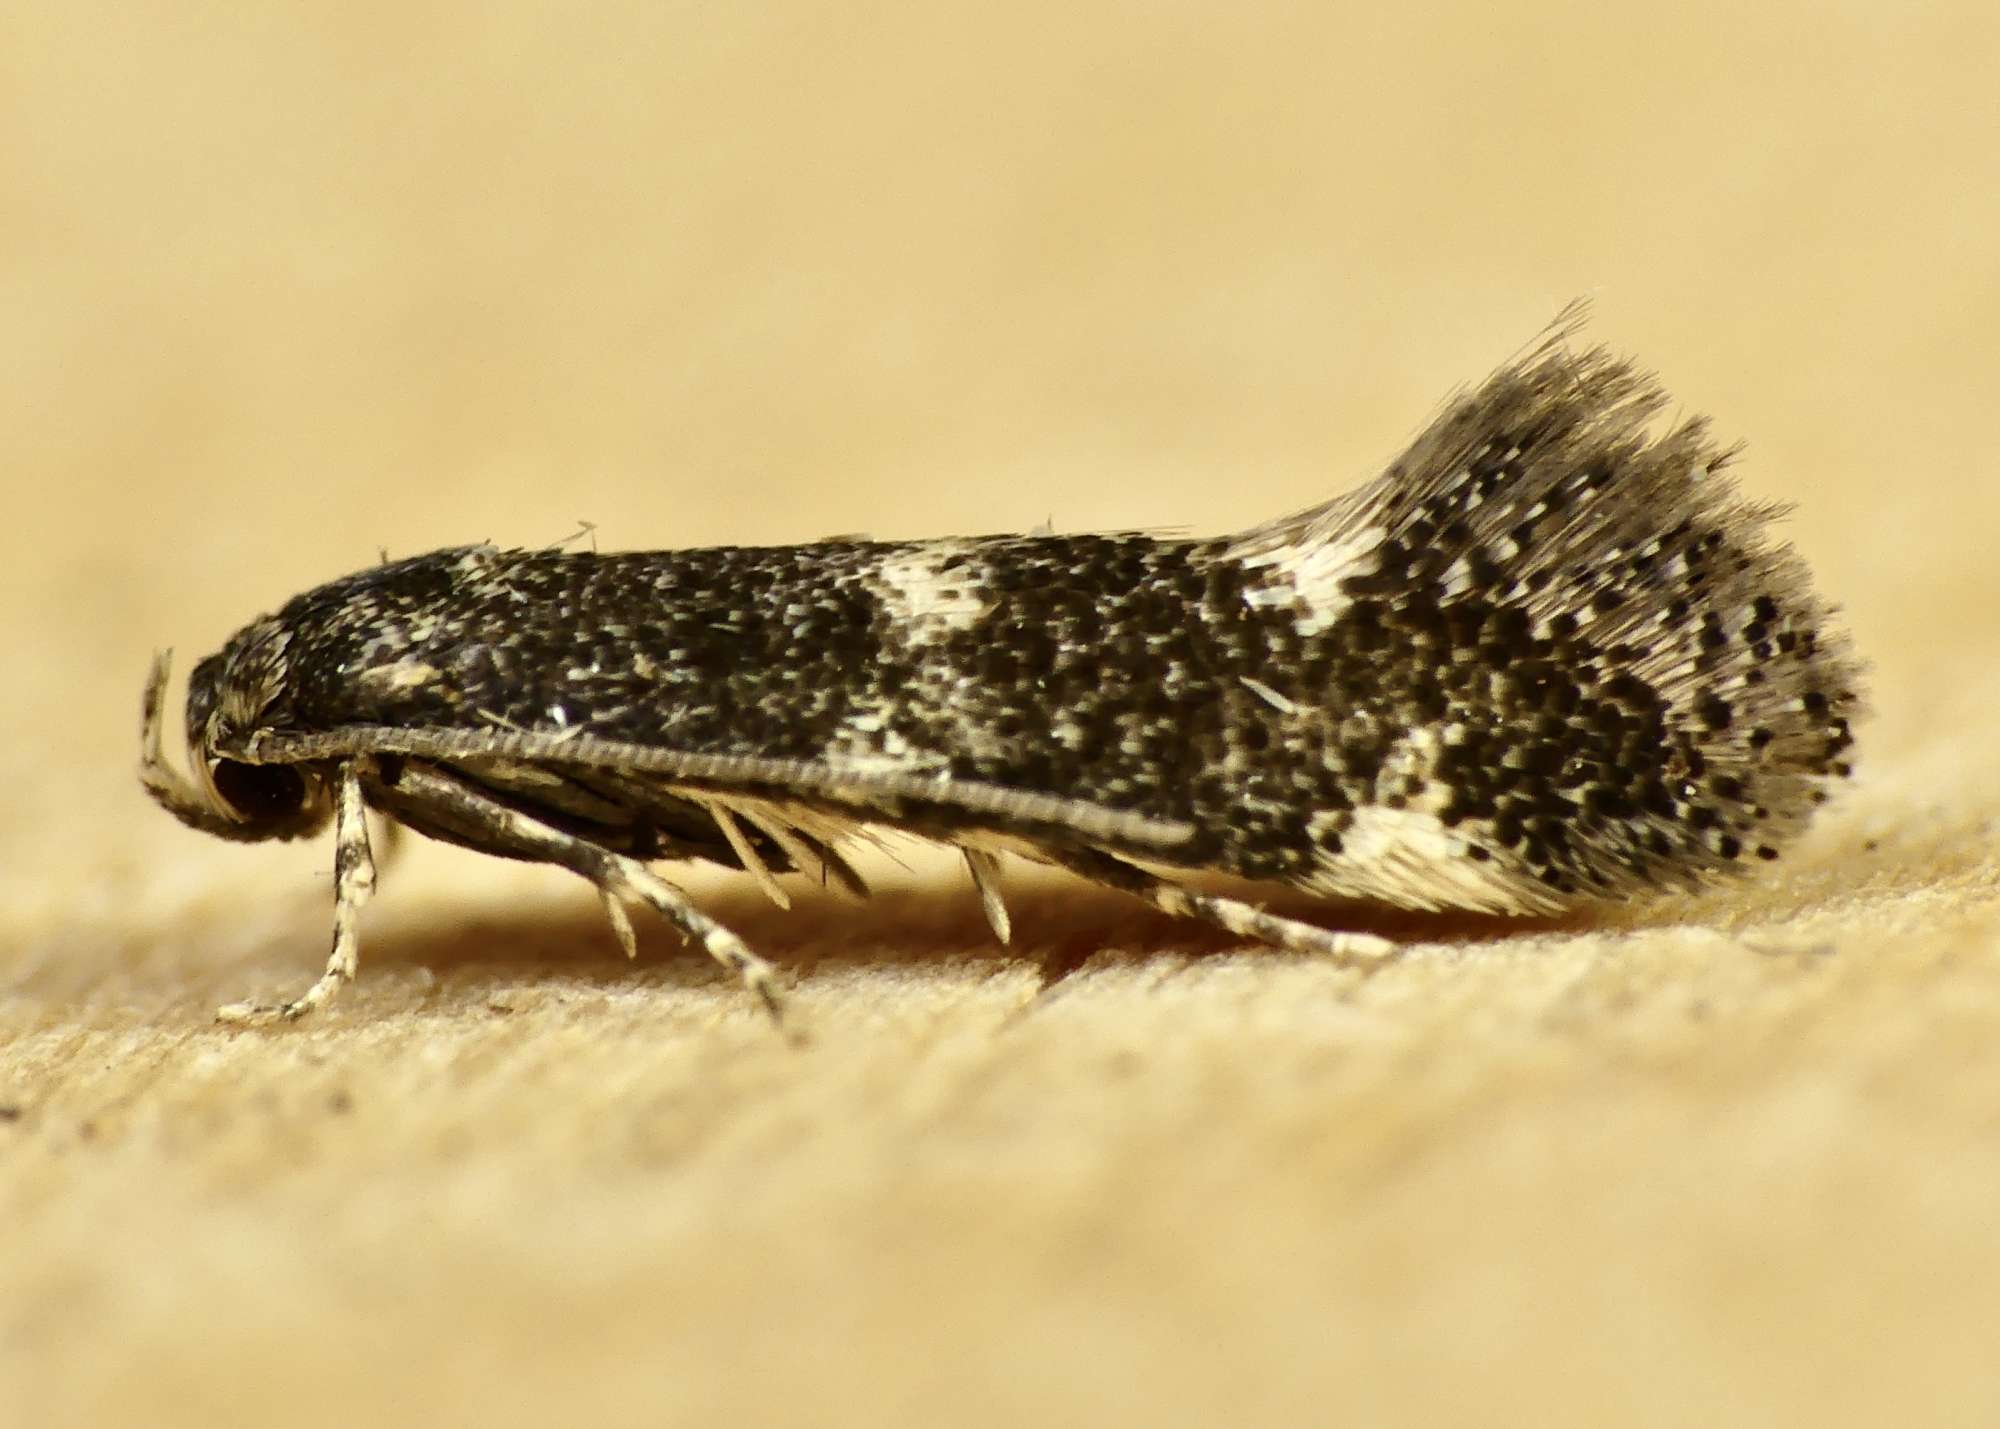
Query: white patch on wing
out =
(1307, 575)
(926, 601)
(861, 744)
(1408, 857)
(397, 675)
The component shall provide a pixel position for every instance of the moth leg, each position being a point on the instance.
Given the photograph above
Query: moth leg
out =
(617, 876)
(620, 920)
(1245, 919)
(353, 882)
(985, 870)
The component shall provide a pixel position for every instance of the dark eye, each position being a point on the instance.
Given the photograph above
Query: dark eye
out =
(259, 792)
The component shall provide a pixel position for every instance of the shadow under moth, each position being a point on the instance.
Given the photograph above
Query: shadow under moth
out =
(1549, 657)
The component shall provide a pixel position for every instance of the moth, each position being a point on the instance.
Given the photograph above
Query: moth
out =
(1549, 657)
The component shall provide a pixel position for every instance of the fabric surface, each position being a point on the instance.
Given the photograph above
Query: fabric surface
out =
(287, 287)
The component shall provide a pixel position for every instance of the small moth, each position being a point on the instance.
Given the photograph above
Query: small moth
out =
(1549, 657)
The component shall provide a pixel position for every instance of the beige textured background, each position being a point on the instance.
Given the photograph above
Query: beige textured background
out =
(281, 286)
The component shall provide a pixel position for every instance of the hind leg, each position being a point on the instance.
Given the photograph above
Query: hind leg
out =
(1245, 919)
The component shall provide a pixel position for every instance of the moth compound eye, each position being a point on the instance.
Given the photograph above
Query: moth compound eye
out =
(259, 793)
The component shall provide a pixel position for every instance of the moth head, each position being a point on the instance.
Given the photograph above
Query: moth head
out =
(232, 695)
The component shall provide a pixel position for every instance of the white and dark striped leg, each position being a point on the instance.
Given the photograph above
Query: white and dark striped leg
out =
(619, 878)
(353, 882)
(1245, 919)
